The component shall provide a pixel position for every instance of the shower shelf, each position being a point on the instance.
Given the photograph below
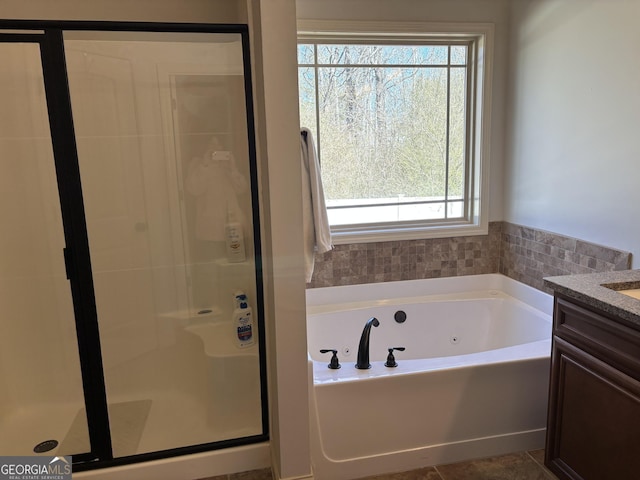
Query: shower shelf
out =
(206, 314)
(218, 341)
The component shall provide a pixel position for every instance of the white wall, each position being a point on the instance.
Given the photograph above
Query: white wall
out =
(220, 11)
(278, 126)
(573, 149)
(491, 11)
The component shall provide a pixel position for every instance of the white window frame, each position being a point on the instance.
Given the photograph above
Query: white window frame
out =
(481, 62)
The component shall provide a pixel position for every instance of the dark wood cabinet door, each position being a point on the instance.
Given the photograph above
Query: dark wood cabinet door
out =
(593, 431)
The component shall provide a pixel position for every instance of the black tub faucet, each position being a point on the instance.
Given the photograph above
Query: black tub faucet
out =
(363, 348)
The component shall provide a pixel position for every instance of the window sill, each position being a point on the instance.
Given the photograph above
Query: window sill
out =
(417, 233)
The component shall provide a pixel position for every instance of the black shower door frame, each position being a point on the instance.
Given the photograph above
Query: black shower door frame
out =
(49, 36)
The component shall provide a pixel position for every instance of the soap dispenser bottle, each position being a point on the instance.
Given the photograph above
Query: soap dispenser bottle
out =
(235, 238)
(243, 322)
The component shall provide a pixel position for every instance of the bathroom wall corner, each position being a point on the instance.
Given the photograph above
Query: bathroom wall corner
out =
(273, 33)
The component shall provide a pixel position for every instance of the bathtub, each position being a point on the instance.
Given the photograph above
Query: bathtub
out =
(472, 381)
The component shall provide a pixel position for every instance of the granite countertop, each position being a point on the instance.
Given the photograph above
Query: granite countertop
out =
(600, 291)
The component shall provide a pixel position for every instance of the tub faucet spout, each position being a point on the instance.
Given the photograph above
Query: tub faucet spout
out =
(363, 348)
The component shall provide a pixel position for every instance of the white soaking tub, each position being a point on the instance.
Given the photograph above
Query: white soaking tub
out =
(471, 382)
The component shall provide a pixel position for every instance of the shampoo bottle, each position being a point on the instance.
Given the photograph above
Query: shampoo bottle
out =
(243, 322)
(234, 238)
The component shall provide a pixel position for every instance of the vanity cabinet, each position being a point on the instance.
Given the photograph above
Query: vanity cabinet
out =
(593, 427)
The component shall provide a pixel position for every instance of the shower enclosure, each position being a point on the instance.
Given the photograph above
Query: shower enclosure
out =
(125, 150)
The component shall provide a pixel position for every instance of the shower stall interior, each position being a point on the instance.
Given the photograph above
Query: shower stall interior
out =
(126, 151)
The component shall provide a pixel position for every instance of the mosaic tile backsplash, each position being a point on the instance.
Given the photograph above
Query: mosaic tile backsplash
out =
(528, 255)
(523, 253)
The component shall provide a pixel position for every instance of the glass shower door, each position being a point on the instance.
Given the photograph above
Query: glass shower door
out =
(163, 147)
(126, 163)
(42, 409)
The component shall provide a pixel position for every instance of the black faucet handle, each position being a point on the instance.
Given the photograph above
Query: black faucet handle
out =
(334, 364)
(391, 360)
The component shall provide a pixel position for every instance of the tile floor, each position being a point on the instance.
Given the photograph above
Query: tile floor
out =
(263, 474)
(514, 466)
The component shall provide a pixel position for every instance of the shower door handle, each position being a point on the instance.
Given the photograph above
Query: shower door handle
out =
(67, 261)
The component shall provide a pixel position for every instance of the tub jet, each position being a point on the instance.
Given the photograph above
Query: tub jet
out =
(400, 316)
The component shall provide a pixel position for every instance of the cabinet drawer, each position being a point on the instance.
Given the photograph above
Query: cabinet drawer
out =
(598, 335)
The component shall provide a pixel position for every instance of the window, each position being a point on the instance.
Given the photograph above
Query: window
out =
(398, 121)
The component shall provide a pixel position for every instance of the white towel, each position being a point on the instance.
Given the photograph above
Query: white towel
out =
(316, 231)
